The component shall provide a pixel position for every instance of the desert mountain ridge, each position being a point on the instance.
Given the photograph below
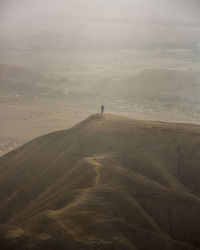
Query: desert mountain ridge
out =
(109, 182)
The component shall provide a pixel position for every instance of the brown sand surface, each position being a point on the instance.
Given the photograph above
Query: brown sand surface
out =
(107, 183)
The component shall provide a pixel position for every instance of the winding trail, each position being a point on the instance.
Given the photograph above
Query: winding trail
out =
(57, 215)
(97, 166)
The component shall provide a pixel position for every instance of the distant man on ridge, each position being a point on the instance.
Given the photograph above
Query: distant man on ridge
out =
(102, 109)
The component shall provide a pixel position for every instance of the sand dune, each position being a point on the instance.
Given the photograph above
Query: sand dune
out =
(107, 183)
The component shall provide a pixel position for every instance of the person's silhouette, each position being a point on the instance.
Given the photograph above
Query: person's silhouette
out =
(102, 109)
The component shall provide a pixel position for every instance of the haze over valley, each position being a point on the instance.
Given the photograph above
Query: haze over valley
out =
(73, 177)
(59, 60)
(82, 54)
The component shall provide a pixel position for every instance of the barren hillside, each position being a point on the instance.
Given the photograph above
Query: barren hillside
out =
(108, 183)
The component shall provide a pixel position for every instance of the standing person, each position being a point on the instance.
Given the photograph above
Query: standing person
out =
(102, 109)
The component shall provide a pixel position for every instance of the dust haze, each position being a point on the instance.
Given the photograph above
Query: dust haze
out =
(99, 124)
(61, 61)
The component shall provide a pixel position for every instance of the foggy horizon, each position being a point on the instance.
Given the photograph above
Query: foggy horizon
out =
(141, 58)
(171, 22)
(99, 124)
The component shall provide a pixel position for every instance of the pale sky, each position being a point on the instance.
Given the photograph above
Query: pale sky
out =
(151, 24)
(147, 9)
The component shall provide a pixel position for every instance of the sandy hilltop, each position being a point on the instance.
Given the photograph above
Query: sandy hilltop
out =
(109, 182)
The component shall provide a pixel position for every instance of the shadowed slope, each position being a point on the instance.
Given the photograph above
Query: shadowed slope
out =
(109, 182)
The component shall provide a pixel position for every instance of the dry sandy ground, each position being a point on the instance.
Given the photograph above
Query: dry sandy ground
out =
(21, 122)
(107, 183)
(24, 121)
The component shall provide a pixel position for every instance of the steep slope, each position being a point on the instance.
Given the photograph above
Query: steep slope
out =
(108, 183)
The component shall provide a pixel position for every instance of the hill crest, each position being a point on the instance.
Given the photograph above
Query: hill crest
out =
(108, 182)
